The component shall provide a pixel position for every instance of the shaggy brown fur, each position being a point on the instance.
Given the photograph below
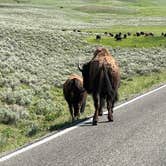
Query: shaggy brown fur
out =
(102, 79)
(75, 95)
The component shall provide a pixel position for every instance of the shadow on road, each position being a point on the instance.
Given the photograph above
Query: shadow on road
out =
(90, 123)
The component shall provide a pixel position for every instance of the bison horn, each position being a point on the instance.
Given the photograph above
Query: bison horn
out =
(79, 66)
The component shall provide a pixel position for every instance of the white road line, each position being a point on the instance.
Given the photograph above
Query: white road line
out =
(141, 96)
(8, 156)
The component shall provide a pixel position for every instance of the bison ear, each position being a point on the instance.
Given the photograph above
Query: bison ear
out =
(79, 68)
(98, 49)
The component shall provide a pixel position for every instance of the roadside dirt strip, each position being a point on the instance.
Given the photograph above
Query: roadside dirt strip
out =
(136, 137)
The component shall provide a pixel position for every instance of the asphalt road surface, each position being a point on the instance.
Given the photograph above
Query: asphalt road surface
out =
(137, 137)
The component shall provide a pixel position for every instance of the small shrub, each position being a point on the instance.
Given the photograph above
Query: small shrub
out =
(21, 111)
(31, 130)
(9, 98)
(13, 113)
(45, 107)
(7, 116)
(7, 132)
(25, 100)
(3, 140)
(50, 117)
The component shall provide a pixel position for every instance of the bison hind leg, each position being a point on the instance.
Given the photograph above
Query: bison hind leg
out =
(102, 103)
(71, 111)
(96, 104)
(109, 107)
(83, 107)
(76, 111)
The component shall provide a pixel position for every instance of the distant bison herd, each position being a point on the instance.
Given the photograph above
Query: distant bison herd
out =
(119, 36)
(101, 79)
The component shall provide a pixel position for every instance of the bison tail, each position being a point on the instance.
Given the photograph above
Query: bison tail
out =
(110, 90)
(83, 106)
(116, 98)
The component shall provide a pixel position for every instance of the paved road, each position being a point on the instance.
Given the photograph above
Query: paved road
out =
(137, 137)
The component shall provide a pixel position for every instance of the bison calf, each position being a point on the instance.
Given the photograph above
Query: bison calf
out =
(75, 95)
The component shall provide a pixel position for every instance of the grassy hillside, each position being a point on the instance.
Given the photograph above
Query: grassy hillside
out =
(40, 45)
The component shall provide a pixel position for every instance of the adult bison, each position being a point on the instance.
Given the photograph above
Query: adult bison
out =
(101, 78)
(75, 95)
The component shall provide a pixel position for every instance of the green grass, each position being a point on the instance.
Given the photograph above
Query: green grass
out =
(12, 138)
(139, 42)
(121, 28)
(118, 7)
(139, 84)
(106, 9)
(153, 11)
(132, 41)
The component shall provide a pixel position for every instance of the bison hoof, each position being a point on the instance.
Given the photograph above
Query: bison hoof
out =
(94, 123)
(73, 119)
(110, 119)
(100, 113)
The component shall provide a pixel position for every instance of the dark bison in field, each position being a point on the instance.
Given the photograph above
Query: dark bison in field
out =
(129, 33)
(75, 95)
(118, 36)
(149, 34)
(101, 78)
(124, 36)
(111, 34)
(98, 37)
